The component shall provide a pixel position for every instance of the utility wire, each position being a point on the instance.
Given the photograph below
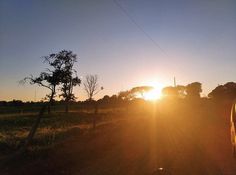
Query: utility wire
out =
(138, 26)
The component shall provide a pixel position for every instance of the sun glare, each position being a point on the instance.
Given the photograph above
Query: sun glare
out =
(155, 93)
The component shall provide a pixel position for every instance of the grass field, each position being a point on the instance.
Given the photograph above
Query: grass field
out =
(53, 127)
(165, 138)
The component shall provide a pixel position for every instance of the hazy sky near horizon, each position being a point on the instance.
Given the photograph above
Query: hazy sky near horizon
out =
(198, 36)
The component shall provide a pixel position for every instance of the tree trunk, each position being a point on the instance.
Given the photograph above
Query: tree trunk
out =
(33, 129)
(95, 115)
(67, 106)
(49, 109)
(38, 119)
(50, 101)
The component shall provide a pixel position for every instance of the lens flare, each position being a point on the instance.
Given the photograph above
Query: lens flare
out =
(155, 93)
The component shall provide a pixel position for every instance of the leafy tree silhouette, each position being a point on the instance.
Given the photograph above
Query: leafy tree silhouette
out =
(193, 90)
(62, 72)
(134, 92)
(68, 75)
(140, 90)
(224, 92)
(125, 95)
(170, 92)
(49, 79)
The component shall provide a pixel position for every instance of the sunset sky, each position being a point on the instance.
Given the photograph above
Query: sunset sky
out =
(197, 40)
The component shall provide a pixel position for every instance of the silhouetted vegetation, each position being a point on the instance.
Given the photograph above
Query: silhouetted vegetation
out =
(140, 90)
(181, 107)
(68, 79)
(91, 86)
(61, 73)
(193, 90)
(181, 103)
(224, 92)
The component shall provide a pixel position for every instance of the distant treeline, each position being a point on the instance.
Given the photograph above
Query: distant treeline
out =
(226, 92)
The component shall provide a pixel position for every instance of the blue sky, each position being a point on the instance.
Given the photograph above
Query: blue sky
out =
(198, 36)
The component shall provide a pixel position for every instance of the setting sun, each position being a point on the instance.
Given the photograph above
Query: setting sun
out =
(155, 93)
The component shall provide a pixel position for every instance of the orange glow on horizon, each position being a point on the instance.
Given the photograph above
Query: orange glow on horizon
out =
(155, 93)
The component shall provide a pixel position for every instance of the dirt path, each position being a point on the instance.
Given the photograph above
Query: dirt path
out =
(142, 146)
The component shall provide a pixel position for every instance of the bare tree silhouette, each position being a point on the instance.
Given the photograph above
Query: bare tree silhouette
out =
(91, 86)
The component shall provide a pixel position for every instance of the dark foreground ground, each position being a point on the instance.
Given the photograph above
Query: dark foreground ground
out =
(176, 144)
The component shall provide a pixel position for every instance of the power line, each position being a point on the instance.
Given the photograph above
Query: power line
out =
(138, 26)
